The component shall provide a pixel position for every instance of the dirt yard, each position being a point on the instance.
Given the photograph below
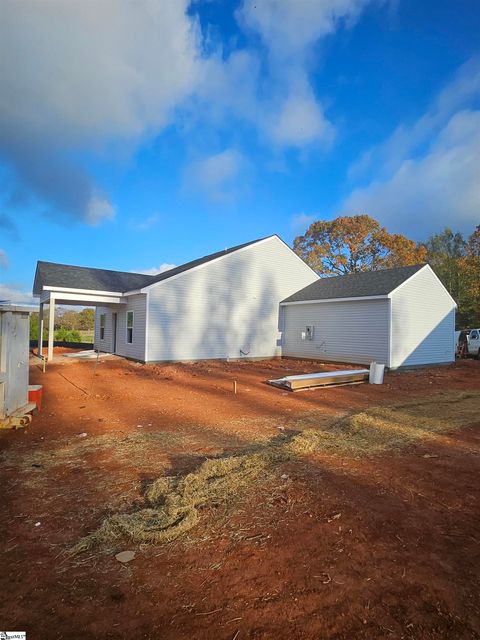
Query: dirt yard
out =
(333, 543)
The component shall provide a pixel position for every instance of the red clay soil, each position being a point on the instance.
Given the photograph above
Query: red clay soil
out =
(331, 547)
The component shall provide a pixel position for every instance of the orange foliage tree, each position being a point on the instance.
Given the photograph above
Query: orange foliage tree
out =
(352, 244)
(470, 267)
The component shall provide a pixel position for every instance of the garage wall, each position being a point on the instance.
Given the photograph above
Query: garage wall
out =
(423, 322)
(356, 331)
(228, 308)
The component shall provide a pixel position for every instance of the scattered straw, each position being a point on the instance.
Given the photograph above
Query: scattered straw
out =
(382, 428)
(173, 503)
(124, 447)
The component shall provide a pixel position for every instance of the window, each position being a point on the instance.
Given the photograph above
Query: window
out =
(129, 327)
(103, 319)
(473, 335)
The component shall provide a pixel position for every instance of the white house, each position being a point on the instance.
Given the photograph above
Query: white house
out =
(224, 305)
(259, 300)
(399, 317)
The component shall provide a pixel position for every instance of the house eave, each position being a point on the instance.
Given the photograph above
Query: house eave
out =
(352, 299)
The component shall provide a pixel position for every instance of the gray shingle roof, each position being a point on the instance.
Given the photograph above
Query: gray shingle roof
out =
(69, 276)
(64, 275)
(355, 285)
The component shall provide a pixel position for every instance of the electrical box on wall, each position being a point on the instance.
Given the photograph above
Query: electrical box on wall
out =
(309, 332)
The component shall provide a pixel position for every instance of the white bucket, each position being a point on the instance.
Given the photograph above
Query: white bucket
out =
(376, 373)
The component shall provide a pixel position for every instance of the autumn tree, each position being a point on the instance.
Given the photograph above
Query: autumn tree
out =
(444, 253)
(470, 269)
(72, 320)
(86, 319)
(457, 264)
(352, 244)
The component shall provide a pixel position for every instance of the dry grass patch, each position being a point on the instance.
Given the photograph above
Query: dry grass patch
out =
(132, 449)
(382, 428)
(172, 504)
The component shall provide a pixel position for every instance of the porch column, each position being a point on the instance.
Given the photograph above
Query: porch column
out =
(51, 327)
(40, 330)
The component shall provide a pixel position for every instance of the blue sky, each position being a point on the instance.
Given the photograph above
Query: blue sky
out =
(134, 136)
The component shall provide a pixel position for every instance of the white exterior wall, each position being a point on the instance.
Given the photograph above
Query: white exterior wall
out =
(225, 306)
(423, 322)
(348, 331)
(107, 343)
(136, 350)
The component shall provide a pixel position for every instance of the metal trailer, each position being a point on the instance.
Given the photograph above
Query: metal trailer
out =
(15, 409)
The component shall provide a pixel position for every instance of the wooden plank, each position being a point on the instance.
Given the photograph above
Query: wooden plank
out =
(325, 374)
(329, 378)
(324, 380)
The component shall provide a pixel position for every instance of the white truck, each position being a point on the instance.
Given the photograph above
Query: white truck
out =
(473, 342)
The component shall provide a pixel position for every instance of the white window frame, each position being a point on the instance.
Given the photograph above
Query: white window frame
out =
(103, 316)
(129, 328)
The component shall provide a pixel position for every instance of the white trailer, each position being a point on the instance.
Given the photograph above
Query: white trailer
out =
(14, 347)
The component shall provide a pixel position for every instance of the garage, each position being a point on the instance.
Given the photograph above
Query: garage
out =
(400, 317)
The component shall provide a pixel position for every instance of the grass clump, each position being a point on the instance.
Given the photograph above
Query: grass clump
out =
(173, 504)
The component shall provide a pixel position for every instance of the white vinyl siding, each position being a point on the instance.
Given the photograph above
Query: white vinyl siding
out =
(228, 308)
(136, 349)
(423, 322)
(104, 344)
(354, 331)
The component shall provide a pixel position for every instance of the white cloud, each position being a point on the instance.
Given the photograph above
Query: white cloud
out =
(289, 27)
(98, 209)
(154, 271)
(302, 221)
(215, 176)
(441, 187)
(407, 138)
(15, 294)
(276, 95)
(300, 121)
(85, 74)
(90, 74)
(90, 70)
(3, 259)
(145, 224)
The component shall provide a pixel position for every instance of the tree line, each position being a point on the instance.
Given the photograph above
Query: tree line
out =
(68, 325)
(352, 244)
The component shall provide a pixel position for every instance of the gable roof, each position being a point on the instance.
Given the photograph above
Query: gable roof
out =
(355, 285)
(52, 274)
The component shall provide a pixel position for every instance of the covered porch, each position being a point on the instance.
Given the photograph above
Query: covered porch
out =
(64, 296)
